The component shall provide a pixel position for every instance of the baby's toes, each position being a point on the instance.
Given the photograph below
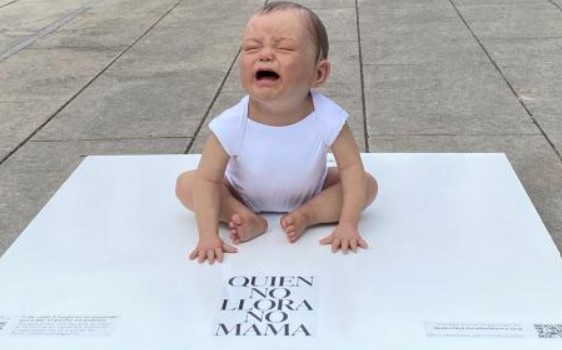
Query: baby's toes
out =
(292, 231)
(287, 224)
(236, 220)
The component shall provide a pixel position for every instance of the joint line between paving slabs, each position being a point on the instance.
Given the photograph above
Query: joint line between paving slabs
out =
(535, 122)
(361, 78)
(211, 105)
(213, 101)
(8, 4)
(555, 4)
(40, 127)
(48, 30)
(116, 139)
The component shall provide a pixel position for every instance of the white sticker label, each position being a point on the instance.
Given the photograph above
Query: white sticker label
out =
(3, 322)
(63, 325)
(492, 330)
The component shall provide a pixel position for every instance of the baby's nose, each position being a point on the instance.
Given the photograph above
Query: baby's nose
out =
(266, 55)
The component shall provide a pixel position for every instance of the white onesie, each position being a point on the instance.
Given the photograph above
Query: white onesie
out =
(278, 168)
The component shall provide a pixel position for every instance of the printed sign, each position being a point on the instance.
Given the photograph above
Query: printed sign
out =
(282, 306)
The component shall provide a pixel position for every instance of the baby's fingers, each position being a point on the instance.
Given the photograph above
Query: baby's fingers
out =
(326, 240)
(354, 245)
(228, 248)
(193, 254)
(211, 256)
(362, 243)
(336, 243)
(219, 254)
(202, 255)
(345, 245)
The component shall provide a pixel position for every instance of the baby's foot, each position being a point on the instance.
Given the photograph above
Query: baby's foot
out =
(294, 224)
(246, 227)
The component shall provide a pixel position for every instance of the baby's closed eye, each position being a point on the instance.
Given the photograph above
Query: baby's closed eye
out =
(250, 48)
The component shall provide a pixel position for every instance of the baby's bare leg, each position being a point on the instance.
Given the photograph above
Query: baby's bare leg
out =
(325, 207)
(243, 223)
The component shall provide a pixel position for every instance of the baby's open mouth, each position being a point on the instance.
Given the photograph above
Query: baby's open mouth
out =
(264, 74)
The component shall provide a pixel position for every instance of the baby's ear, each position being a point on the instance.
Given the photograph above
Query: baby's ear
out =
(322, 72)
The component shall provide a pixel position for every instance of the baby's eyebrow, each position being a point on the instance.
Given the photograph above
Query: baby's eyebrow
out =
(251, 39)
(285, 39)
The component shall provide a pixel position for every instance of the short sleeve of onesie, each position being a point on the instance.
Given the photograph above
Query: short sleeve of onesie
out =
(228, 127)
(333, 118)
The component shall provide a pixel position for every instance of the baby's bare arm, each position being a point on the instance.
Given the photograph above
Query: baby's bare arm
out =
(352, 175)
(354, 197)
(207, 202)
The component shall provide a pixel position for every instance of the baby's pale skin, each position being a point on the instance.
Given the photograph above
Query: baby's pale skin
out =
(279, 42)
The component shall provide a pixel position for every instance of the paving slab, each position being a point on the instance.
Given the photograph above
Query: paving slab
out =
(340, 23)
(551, 124)
(6, 2)
(421, 47)
(35, 15)
(50, 74)
(534, 69)
(33, 174)
(62, 13)
(345, 77)
(156, 54)
(428, 43)
(328, 4)
(536, 165)
(385, 42)
(370, 8)
(210, 9)
(158, 88)
(96, 30)
(11, 38)
(407, 32)
(533, 66)
(232, 83)
(498, 2)
(404, 12)
(442, 99)
(129, 8)
(526, 20)
(229, 13)
(19, 120)
(134, 108)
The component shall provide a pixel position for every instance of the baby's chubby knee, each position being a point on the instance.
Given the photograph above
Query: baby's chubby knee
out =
(372, 188)
(184, 184)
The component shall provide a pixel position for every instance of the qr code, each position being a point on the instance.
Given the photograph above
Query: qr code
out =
(549, 330)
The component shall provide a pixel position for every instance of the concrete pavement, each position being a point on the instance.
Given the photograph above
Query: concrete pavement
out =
(81, 77)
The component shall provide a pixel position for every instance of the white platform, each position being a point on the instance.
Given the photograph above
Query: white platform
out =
(458, 259)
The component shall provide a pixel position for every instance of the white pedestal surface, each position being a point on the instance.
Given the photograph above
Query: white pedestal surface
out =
(458, 259)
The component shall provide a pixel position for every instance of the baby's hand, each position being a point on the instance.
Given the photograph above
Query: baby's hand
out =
(211, 249)
(345, 237)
